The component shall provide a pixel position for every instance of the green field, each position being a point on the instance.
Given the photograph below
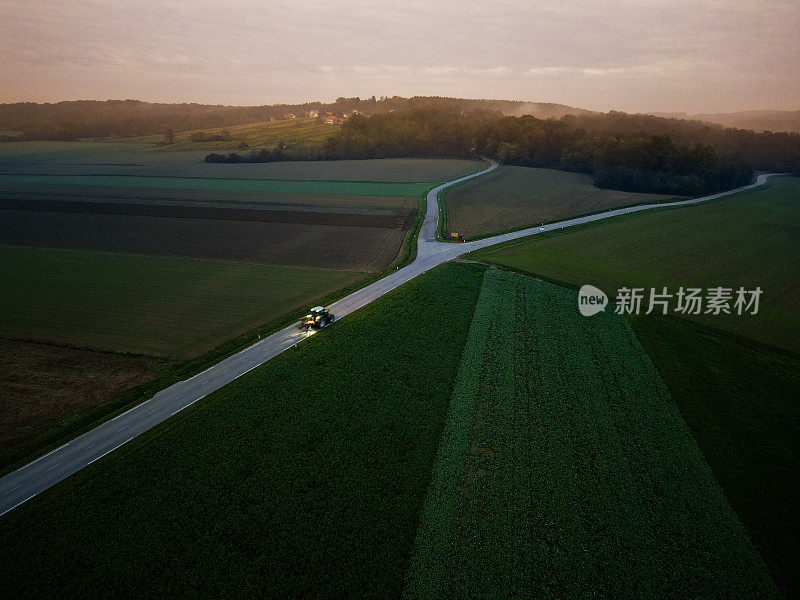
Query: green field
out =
(80, 153)
(223, 184)
(304, 478)
(738, 396)
(740, 402)
(148, 304)
(565, 470)
(519, 197)
(302, 130)
(141, 159)
(748, 240)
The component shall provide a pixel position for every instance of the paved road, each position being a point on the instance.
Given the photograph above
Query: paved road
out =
(35, 477)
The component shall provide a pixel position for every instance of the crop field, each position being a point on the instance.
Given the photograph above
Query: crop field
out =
(738, 397)
(740, 402)
(565, 470)
(302, 130)
(29, 154)
(304, 478)
(519, 197)
(147, 304)
(749, 240)
(143, 160)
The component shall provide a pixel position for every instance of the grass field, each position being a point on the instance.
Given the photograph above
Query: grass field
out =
(520, 197)
(147, 304)
(748, 240)
(18, 154)
(566, 471)
(140, 159)
(304, 478)
(303, 130)
(741, 403)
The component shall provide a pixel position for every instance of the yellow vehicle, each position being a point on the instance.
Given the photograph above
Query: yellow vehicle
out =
(317, 318)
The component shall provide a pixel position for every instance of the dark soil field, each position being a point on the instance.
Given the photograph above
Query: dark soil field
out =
(42, 385)
(520, 197)
(218, 212)
(222, 185)
(387, 170)
(358, 246)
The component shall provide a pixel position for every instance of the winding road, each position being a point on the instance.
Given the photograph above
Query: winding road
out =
(26, 482)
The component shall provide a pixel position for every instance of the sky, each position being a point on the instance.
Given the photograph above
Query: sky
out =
(696, 56)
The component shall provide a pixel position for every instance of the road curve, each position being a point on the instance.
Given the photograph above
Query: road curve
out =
(37, 476)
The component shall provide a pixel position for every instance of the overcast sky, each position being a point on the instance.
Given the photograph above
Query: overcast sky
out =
(642, 55)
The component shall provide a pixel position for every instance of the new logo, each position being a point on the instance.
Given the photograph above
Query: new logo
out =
(591, 300)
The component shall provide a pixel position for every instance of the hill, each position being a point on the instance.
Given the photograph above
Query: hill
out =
(757, 120)
(126, 118)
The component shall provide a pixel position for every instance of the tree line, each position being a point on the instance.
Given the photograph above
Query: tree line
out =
(627, 152)
(620, 150)
(90, 119)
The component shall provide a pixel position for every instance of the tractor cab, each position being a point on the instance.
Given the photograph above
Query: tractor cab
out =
(317, 318)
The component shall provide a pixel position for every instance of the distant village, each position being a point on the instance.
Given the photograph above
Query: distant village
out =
(330, 118)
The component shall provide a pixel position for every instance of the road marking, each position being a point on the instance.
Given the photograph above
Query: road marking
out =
(188, 405)
(54, 466)
(429, 258)
(17, 504)
(46, 455)
(12, 489)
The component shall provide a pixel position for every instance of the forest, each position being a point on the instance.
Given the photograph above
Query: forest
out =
(635, 153)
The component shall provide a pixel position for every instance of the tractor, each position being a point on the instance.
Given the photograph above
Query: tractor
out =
(317, 318)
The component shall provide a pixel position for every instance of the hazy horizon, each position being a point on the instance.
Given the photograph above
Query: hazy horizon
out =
(709, 56)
